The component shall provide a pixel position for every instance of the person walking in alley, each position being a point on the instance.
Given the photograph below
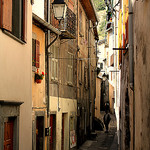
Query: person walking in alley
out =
(106, 119)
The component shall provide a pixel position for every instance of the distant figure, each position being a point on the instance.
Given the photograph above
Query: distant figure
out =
(106, 119)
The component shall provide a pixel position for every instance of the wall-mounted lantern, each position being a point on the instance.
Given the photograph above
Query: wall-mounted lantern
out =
(59, 8)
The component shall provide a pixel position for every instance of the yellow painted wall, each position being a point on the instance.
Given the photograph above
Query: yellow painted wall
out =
(38, 90)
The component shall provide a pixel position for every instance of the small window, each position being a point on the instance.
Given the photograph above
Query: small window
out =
(70, 68)
(80, 21)
(14, 17)
(35, 53)
(80, 71)
(54, 62)
(86, 77)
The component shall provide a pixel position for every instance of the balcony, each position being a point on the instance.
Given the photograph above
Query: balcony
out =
(68, 25)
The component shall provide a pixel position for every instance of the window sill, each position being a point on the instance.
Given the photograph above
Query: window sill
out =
(14, 37)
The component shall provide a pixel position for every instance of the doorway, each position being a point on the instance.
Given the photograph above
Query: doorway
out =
(39, 132)
(8, 133)
(53, 132)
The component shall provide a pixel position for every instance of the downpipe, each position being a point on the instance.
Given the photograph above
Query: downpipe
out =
(130, 32)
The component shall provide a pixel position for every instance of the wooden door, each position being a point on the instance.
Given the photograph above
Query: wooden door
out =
(51, 135)
(53, 132)
(62, 138)
(8, 135)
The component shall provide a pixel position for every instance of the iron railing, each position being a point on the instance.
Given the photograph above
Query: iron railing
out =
(68, 26)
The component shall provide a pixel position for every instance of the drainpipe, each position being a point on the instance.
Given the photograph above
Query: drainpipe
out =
(131, 71)
(131, 68)
(47, 47)
(48, 66)
(89, 53)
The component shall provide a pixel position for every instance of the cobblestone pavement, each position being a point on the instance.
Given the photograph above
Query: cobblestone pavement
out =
(103, 141)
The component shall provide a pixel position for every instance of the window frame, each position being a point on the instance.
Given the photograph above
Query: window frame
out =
(70, 68)
(36, 51)
(54, 62)
(6, 20)
(80, 71)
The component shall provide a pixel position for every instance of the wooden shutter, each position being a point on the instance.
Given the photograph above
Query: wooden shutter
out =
(0, 13)
(33, 52)
(37, 54)
(6, 14)
(24, 34)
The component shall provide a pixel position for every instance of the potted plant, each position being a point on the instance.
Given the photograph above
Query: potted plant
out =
(39, 77)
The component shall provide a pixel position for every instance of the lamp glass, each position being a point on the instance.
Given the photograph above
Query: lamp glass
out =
(59, 11)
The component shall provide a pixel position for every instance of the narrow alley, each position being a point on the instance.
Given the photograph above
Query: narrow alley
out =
(75, 74)
(103, 140)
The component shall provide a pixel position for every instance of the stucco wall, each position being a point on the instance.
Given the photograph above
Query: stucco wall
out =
(38, 90)
(15, 77)
(111, 98)
(142, 74)
(69, 107)
(98, 98)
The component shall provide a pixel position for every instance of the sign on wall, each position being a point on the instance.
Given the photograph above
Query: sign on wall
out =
(72, 139)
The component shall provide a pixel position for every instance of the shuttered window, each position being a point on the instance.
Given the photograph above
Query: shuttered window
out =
(80, 20)
(13, 17)
(86, 77)
(54, 62)
(70, 68)
(35, 53)
(80, 71)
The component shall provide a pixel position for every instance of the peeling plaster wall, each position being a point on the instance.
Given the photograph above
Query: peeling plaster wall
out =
(142, 74)
(98, 98)
(123, 89)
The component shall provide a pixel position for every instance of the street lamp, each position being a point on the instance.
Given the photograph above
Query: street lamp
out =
(59, 8)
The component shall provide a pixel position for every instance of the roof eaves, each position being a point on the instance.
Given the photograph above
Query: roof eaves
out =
(45, 24)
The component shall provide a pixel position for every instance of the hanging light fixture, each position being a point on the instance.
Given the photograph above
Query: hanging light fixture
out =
(59, 8)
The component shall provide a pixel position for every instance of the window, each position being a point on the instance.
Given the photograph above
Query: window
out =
(86, 29)
(86, 77)
(54, 62)
(35, 53)
(70, 68)
(80, 21)
(80, 71)
(14, 17)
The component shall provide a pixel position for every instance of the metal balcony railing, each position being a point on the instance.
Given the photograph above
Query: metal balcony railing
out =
(68, 25)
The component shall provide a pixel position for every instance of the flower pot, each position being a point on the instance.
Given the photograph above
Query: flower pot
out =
(38, 80)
